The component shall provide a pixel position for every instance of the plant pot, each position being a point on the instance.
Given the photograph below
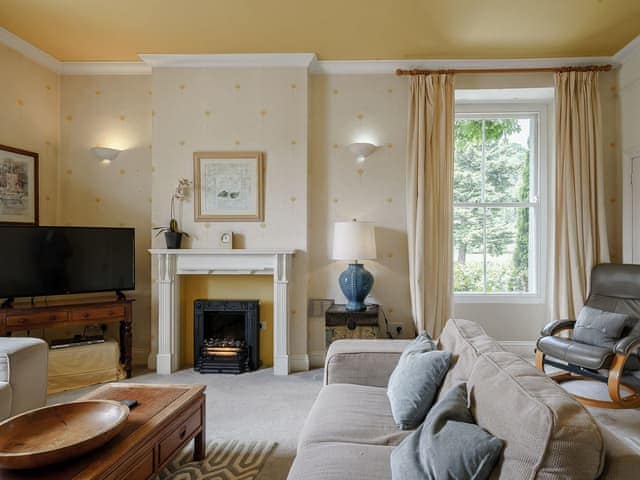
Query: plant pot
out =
(173, 239)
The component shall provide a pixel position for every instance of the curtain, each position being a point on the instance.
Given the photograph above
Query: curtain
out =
(430, 199)
(580, 228)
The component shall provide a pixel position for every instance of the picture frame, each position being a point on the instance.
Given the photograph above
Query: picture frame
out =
(228, 186)
(18, 186)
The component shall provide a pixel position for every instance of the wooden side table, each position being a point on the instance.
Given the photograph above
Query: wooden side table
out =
(341, 323)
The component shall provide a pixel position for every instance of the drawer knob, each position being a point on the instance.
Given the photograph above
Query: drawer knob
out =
(183, 433)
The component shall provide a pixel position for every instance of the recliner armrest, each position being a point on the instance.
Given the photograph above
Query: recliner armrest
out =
(556, 326)
(626, 345)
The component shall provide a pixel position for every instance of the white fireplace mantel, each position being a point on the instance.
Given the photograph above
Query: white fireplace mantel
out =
(171, 263)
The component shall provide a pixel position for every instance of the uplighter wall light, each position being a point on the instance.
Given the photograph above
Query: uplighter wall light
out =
(362, 150)
(105, 154)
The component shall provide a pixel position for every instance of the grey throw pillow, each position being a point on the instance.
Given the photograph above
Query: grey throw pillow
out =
(448, 445)
(598, 327)
(414, 383)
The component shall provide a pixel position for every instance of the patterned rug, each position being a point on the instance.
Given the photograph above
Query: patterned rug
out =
(232, 460)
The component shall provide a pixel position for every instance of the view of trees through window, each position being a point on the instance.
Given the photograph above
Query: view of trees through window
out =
(494, 205)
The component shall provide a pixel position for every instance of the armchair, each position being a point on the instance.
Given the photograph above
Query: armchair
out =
(23, 374)
(614, 288)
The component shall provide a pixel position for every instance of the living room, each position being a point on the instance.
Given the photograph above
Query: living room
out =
(250, 211)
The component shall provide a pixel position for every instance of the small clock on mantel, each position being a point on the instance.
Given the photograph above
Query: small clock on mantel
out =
(225, 240)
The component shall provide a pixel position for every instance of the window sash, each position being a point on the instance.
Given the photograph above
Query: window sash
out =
(532, 205)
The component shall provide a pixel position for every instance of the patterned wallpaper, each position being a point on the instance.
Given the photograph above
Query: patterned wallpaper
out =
(200, 109)
(110, 111)
(29, 101)
(347, 109)
(280, 111)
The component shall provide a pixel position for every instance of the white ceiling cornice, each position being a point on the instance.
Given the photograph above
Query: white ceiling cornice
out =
(224, 60)
(624, 53)
(105, 68)
(350, 67)
(28, 50)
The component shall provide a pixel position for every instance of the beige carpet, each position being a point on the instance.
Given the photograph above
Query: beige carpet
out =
(252, 407)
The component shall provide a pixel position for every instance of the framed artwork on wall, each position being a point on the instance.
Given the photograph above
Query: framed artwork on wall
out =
(228, 186)
(18, 186)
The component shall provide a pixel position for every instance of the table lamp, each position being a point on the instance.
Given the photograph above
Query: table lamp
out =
(354, 241)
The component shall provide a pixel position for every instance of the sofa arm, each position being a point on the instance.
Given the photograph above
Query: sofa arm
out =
(23, 365)
(362, 362)
(556, 326)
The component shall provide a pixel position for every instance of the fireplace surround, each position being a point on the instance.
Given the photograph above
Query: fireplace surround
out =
(226, 336)
(171, 264)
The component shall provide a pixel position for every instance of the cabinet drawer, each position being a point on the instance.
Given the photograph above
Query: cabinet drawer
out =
(176, 439)
(140, 468)
(98, 313)
(39, 318)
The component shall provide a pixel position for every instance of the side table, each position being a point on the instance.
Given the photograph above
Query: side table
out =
(341, 323)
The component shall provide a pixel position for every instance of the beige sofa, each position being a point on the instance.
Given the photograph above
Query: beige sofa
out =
(23, 375)
(350, 433)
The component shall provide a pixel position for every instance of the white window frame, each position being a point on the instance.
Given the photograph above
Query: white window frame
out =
(539, 254)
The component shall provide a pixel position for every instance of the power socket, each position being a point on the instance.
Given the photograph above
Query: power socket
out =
(263, 325)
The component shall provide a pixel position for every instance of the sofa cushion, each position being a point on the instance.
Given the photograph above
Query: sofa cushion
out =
(448, 444)
(351, 414)
(598, 327)
(547, 433)
(588, 356)
(362, 362)
(466, 340)
(341, 461)
(414, 384)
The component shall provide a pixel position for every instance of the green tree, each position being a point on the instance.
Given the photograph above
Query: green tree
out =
(503, 162)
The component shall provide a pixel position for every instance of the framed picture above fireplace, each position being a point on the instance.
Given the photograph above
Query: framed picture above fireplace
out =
(228, 186)
(18, 186)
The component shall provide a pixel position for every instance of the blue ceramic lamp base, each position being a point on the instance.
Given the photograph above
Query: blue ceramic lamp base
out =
(356, 283)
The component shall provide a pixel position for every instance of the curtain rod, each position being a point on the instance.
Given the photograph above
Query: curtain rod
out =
(588, 68)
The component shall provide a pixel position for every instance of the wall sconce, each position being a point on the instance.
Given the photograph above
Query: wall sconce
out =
(362, 150)
(105, 154)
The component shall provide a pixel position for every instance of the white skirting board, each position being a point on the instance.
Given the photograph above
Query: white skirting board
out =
(299, 362)
(316, 359)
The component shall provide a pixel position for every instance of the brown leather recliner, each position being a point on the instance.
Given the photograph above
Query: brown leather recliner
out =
(614, 288)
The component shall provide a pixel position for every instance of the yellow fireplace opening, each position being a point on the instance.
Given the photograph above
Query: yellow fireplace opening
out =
(226, 287)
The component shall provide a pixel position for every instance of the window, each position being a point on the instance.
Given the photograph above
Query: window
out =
(496, 216)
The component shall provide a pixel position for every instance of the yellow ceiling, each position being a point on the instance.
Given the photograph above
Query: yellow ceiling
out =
(117, 30)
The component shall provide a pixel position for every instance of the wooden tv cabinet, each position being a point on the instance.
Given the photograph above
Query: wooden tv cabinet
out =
(79, 312)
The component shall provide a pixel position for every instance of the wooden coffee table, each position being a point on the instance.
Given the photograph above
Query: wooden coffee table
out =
(166, 419)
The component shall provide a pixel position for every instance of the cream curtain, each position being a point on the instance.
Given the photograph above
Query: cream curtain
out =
(429, 199)
(580, 229)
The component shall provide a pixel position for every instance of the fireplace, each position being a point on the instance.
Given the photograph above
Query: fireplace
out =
(226, 336)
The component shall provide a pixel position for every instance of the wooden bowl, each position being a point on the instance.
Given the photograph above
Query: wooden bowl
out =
(59, 432)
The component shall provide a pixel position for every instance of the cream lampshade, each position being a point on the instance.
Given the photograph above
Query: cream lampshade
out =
(354, 241)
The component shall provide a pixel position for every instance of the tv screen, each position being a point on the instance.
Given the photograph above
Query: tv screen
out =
(41, 261)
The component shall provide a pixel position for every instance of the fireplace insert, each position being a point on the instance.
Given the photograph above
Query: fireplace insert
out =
(226, 336)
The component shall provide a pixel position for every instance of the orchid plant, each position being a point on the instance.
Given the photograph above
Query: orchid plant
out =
(178, 195)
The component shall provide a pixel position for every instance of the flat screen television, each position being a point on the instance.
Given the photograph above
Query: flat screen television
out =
(43, 261)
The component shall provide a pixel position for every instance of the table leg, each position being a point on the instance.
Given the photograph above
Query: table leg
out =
(125, 346)
(200, 441)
